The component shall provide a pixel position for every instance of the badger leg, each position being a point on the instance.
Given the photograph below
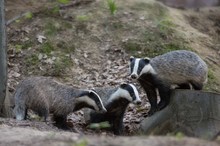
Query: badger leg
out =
(164, 92)
(118, 125)
(197, 86)
(152, 97)
(44, 112)
(20, 112)
(60, 122)
(184, 86)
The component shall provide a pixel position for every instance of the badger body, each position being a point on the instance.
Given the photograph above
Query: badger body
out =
(115, 100)
(44, 95)
(182, 68)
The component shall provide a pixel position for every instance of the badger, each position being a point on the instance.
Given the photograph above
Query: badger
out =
(182, 68)
(115, 100)
(44, 95)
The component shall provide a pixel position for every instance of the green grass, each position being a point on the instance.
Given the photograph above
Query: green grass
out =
(154, 41)
(112, 6)
(47, 48)
(32, 60)
(52, 28)
(60, 65)
(212, 84)
(155, 11)
(82, 18)
(28, 15)
(82, 142)
(63, 1)
(66, 47)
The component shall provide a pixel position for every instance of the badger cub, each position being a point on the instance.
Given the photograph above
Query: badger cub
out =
(181, 67)
(115, 100)
(44, 95)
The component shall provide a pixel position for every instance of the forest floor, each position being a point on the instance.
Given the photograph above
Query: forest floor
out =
(82, 44)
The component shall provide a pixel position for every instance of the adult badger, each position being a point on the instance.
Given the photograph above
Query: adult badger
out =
(115, 100)
(181, 67)
(44, 95)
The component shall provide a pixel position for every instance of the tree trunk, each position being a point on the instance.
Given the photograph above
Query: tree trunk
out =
(193, 113)
(4, 102)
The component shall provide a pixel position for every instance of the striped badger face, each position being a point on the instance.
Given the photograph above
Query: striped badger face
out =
(139, 66)
(92, 100)
(127, 91)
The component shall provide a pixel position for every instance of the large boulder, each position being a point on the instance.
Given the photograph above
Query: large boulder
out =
(194, 113)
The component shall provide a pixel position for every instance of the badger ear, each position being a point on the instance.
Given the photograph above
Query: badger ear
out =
(123, 85)
(147, 59)
(92, 90)
(131, 58)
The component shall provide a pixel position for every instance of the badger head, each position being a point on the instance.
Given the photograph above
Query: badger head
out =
(140, 66)
(128, 92)
(91, 100)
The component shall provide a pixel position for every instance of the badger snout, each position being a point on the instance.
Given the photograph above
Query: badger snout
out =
(138, 102)
(103, 110)
(134, 76)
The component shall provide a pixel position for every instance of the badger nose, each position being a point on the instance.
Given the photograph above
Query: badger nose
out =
(138, 102)
(133, 76)
(103, 110)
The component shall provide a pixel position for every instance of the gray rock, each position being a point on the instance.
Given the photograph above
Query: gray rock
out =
(194, 113)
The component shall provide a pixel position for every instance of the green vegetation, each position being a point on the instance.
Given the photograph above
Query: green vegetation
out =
(153, 42)
(52, 27)
(60, 64)
(32, 60)
(212, 84)
(166, 26)
(82, 142)
(66, 47)
(82, 18)
(112, 6)
(47, 48)
(101, 125)
(155, 11)
(159, 37)
(63, 1)
(28, 15)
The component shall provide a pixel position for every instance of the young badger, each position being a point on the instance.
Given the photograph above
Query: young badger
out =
(182, 68)
(44, 95)
(116, 100)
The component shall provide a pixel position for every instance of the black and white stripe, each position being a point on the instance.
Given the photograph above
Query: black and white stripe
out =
(139, 66)
(91, 98)
(127, 91)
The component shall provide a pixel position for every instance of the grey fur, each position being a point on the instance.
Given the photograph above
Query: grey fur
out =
(182, 68)
(44, 95)
(179, 67)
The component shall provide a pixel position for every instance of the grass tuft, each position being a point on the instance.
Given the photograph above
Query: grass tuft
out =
(112, 6)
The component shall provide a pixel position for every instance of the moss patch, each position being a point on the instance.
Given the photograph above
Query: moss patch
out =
(212, 84)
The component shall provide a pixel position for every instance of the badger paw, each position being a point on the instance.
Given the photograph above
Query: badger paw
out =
(161, 105)
(152, 111)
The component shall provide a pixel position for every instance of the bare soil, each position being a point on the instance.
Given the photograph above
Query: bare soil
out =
(86, 47)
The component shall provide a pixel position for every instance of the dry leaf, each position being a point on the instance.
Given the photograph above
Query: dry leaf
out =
(40, 38)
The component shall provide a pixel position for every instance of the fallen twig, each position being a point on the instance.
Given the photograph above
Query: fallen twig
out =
(75, 3)
(16, 18)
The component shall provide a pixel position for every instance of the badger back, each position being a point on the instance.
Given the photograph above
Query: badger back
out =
(31, 91)
(179, 66)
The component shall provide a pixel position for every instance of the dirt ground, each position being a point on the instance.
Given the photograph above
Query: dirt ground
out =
(85, 46)
(23, 134)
